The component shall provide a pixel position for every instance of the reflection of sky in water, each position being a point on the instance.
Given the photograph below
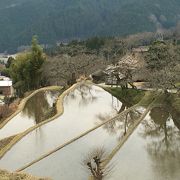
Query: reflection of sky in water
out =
(34, 111)
(67, 162)
(85, 95)
(152, 152)
(121, 124)
(51, 97)
(75, 120)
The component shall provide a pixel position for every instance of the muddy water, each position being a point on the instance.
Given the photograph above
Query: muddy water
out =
(153, 151)
(68, 162)
(37, 109)
(83, 107)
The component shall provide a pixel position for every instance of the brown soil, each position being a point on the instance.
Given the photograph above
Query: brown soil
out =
(5, 175)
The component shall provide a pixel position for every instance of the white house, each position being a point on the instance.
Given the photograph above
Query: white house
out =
(6, 88)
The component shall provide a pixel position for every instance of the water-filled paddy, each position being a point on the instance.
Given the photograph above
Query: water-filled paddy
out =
(67, 163)
(153, 151)
(37, 109)
(83, 108)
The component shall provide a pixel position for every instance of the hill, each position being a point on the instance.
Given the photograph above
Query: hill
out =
(56, 20)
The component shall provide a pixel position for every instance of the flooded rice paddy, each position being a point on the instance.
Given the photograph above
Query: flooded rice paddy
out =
(151, 152)
(83, 108)
(68, 163)
(37, 109)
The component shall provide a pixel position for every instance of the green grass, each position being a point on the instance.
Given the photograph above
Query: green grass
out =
(144, 98)
(148, 98)
(130, 96)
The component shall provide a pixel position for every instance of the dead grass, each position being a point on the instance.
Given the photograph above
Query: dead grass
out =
(5, 142)
(5, 175)
(7, 111)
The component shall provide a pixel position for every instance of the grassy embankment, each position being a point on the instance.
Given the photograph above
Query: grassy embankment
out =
(127, 96)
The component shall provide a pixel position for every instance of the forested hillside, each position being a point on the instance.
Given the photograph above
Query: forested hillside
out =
(56, 20)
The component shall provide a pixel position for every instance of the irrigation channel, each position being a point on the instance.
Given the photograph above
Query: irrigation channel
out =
(141, 141)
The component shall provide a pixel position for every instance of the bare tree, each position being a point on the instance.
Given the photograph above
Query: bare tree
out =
(94, 163)
(64, 69)
(163, 60)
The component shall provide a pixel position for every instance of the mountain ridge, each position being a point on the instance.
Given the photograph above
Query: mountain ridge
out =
(56, 20)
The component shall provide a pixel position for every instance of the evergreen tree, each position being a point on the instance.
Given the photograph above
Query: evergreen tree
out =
(25, 70)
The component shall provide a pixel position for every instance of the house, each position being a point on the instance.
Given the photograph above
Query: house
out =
(6, 88)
